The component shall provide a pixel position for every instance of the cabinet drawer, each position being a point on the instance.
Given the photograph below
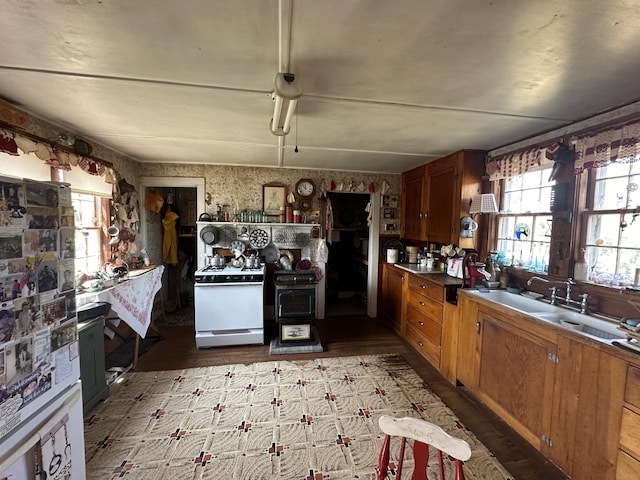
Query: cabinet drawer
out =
(427, 326)
(632, 390)
(426, 306)
(426, 288)
(628, 467)
(424, 346)
(630, 432)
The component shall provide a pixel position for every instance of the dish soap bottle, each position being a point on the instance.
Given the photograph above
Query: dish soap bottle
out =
(581, 268)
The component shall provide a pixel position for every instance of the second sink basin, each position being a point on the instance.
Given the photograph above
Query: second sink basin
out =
(590, 325)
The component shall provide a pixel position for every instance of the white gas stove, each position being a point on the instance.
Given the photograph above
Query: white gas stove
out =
(229, 306)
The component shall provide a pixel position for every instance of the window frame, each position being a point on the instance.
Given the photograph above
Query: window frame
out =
(101, 206)
(585, 210)
(497, 239)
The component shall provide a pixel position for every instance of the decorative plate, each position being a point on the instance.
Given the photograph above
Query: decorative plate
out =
(258, 238)
(237, 247)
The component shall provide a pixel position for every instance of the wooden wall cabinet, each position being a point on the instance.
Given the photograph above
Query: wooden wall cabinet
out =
(414, 204)
(437, 195)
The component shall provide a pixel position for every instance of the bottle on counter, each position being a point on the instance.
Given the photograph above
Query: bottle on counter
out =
(289, 213)
(581, 268)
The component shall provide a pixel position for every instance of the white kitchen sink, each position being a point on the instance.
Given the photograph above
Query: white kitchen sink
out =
(517, 302)
(588, 324)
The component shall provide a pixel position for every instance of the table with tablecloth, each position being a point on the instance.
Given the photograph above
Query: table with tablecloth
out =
(133, 298)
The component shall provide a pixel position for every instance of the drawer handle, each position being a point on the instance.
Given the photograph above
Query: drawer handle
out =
(421, 303)
(423, 286)
(421, 324)
(420, 344)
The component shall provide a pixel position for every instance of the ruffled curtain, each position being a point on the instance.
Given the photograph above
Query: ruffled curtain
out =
(618, 144)
(518, 163)
(14, 143)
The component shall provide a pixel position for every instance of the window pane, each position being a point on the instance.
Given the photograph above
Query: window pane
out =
(613, 170)
(603, 229)
(523, 235)
(610, 194)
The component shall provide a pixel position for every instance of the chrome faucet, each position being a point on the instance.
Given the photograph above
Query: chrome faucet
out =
(567, 297)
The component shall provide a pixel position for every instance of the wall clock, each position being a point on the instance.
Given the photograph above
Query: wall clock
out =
(305, 189)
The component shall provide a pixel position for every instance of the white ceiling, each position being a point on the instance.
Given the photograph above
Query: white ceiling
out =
(388, 85)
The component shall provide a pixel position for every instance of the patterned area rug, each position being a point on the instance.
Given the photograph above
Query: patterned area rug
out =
(307, 420)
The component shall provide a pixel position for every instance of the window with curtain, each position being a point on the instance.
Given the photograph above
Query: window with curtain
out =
(89, 237)
(524, 220)
(611, 233)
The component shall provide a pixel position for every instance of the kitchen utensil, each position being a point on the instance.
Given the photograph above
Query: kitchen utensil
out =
(258, 238)
(285, 263)
(271, 252)
(209, 235)
(237, 247)
(227, 235)
(302, 239)
(288, 254)
(205, 217)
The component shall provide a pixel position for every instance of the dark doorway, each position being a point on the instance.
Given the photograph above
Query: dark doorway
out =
(347, 269)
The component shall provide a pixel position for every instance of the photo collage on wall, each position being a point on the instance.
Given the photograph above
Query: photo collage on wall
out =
(37, 287)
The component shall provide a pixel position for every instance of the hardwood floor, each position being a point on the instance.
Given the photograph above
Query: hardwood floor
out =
(356, 335)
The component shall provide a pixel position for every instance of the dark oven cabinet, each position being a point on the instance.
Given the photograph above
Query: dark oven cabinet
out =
(92, 363)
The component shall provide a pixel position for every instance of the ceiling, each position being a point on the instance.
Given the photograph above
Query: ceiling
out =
(388, 85)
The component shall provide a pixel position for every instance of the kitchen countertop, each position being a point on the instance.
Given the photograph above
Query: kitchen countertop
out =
(435, 275)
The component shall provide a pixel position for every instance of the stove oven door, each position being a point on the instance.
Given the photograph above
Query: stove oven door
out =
(229, 314)
(295, 303)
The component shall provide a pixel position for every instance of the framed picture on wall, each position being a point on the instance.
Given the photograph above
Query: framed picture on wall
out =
(274, 197)
(390, 213)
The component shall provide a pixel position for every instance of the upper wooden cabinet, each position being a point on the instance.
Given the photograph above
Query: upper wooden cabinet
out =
(414, 204)
(437, 195)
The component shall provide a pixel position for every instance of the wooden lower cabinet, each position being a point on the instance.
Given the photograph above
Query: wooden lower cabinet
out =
(423, 317)
(562, 394)
(391, 302)
(516, 376)
(629, 454)
(469, 344)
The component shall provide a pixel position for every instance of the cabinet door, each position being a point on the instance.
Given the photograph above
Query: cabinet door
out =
(469, 342)
(413, 209)
(587, 406)
(392, 287)
(442, 202)
(516, 376)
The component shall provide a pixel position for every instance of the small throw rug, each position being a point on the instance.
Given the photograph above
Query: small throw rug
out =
(305, 420)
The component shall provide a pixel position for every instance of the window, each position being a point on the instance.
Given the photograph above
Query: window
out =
(612, 227)
(524, 221)
(89, 236)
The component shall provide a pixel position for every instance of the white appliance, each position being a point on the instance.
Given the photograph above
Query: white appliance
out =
(229, 306)
(41, 418)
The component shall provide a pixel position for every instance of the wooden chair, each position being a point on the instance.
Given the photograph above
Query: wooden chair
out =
(424, 435)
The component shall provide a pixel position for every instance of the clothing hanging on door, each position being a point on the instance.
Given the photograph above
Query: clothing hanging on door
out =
(170, 239)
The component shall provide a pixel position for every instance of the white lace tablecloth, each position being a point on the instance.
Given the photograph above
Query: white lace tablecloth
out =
(132, 299)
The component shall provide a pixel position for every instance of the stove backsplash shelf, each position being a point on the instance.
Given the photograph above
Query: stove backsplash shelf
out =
(284, 236)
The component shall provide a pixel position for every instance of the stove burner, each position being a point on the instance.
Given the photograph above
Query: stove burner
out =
(212, 268)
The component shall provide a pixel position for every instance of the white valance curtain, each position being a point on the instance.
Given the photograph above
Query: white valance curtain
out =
(518, 163)
(14, 143)
(617, 144)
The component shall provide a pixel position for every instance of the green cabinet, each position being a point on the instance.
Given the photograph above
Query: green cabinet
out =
(92, 365)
